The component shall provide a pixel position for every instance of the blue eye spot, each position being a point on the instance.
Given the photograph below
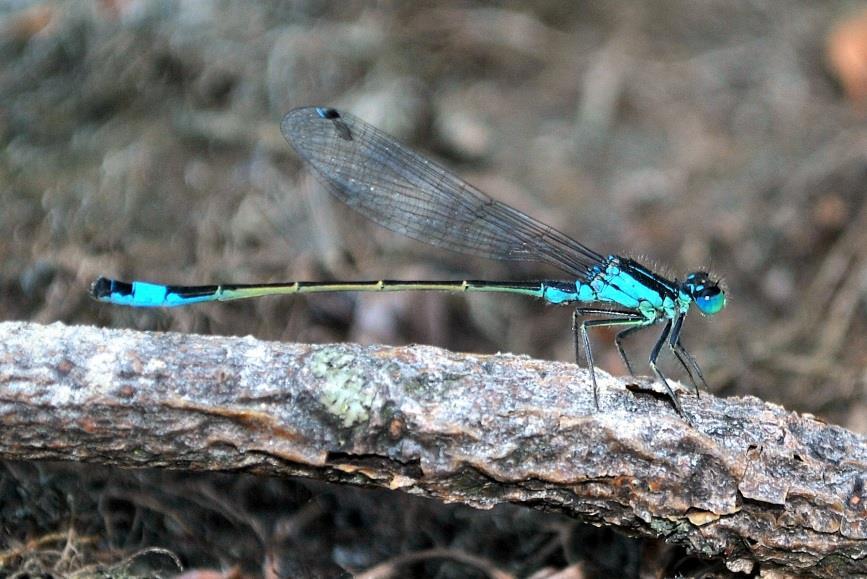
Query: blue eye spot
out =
(710, 303)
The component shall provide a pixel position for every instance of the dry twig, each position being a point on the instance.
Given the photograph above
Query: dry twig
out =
(748, 482)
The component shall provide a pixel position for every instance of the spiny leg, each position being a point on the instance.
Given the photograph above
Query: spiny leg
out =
(626, 318)
(654, 354)
(588, 354)
(620, 314)
(679, 348)
(683, 356)
(618, 341)
(673, 338)
(576, 342)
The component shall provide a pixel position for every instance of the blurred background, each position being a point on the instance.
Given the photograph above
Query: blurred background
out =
(141, 140)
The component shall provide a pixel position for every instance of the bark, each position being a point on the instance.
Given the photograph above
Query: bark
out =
(747, 481)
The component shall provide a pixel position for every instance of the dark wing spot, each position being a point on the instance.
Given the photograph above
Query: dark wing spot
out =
(339, 124)
(327, 113)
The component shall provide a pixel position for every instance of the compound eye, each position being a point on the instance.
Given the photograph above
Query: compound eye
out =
(710, 300)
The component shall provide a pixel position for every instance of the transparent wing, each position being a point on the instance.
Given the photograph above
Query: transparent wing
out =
(407, 193)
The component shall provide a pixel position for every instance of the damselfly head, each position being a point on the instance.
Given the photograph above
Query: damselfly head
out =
(707, 294)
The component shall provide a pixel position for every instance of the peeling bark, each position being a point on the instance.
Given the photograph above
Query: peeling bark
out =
(748, 481)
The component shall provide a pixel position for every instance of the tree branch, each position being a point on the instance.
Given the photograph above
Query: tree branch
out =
(749, 481)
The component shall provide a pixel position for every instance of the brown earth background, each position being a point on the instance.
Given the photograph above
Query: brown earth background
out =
(141, 140)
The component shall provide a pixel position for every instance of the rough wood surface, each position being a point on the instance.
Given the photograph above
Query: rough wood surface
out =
(748, 481)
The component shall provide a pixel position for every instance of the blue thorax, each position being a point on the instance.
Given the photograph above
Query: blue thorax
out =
(632, 286)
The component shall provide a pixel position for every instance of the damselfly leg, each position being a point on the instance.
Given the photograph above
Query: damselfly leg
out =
(618, 341)
(683, 356)
(621, 319)
(654, 354)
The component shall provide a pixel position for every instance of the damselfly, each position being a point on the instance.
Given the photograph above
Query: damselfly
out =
(403, 191)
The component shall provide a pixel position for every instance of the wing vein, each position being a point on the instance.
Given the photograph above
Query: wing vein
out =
(407, 193)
